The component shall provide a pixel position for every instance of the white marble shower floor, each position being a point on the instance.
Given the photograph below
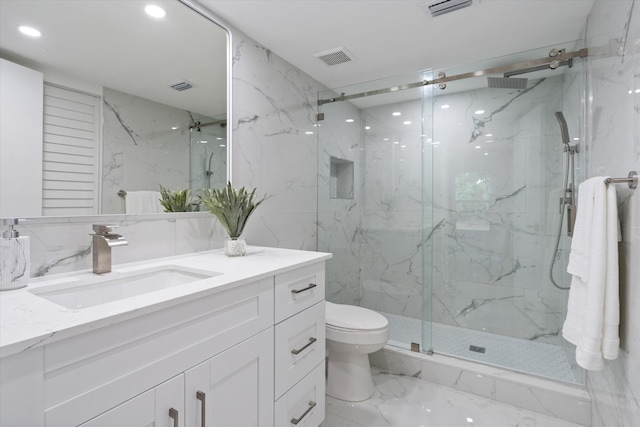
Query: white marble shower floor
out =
(526, 356)
(401, 401)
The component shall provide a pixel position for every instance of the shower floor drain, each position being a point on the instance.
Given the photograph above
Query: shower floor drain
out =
(477, 349)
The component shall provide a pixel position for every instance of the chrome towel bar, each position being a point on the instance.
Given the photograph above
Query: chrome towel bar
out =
(631, 179)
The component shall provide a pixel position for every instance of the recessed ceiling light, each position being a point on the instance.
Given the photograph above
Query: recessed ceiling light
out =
(489, 134)
(222, 145)
(445, 106)
(408, 122)
(219, 138)
(308, 133)
(367, 127)
(479, 112)
(396, 113)
(489, 140)
(155, 11)
(576, 139)
(29, 31)
(385, 139)
(403, 146)
(174, 127)
(477, 146)
(349, 120)
(396, 142)
(204, 142)
(486, 154)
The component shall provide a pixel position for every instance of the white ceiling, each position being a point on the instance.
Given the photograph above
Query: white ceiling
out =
(393, 37)
(114, 44)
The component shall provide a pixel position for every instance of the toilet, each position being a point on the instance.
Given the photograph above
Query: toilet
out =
(352, 333)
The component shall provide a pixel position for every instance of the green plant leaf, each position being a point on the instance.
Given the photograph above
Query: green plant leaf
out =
(176, 200)
(232, 207)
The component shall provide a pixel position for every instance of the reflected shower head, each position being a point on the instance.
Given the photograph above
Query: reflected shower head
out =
(507, 83)
(564, 131)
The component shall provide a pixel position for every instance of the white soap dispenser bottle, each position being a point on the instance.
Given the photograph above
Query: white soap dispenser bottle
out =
(15, 258)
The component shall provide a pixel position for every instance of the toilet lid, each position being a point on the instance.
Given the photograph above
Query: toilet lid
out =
(353, 317)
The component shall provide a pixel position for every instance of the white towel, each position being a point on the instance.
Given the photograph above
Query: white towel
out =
(593, 312)
(143, 202)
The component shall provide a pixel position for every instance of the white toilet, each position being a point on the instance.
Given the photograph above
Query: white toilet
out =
(352, 333)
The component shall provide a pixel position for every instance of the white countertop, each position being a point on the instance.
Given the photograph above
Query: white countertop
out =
(27, 320)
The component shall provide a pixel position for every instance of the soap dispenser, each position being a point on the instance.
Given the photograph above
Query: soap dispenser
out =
(15, 258)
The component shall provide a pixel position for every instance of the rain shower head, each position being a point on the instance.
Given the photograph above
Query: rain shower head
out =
(507, 83)
(564, 131)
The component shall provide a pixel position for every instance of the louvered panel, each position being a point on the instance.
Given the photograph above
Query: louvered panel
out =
(67, 140)
(72, 159)
(68, 167)
(86, 117)
(67, 203)
(70, 149)
(68, 185)
(73, 98)
(66, 176)
(69, 132)
(68, 194)
(68, 123)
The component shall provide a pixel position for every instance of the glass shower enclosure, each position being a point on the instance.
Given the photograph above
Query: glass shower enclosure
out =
(442, 206)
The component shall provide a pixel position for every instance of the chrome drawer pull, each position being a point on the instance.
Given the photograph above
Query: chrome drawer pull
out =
(300, 350)
(297, 291)
(295, 421)
(174, 414)
(202, 398)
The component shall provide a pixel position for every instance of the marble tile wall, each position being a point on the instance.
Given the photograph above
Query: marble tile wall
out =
(497, 177)
(613, 136)
(339, 218)
(140, 150)
(274, 144)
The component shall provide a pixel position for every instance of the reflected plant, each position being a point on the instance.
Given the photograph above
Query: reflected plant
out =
(231, 206)
(177, 200)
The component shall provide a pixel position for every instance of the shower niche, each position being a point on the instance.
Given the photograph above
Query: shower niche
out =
(341, 178)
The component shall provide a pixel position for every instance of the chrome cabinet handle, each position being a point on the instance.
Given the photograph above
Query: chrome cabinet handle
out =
(174, 415)
(300, 350)
(295, 421)
(202, 398)
(297, 291)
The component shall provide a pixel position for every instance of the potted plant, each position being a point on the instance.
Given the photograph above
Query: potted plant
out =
(176, 200)
(232, 207)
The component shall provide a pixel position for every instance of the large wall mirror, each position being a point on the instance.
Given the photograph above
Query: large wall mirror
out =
(131, 102)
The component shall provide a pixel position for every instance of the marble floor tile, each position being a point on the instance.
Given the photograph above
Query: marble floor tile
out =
(402, 401)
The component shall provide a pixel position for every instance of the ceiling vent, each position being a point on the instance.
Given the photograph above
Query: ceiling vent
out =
(180, 86)
(335, 56)
(440, 7)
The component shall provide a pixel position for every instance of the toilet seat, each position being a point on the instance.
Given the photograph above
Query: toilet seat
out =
(352, 318)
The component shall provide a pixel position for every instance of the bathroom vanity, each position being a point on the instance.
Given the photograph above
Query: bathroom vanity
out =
(227, 342)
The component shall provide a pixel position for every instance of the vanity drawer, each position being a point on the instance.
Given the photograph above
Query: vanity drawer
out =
(298, 289)
(93, 372)
(299, 347)
(307, 395)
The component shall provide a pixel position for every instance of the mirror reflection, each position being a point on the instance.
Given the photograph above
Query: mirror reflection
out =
(133, 101)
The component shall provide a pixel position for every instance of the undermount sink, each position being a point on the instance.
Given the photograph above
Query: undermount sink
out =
(114, 286)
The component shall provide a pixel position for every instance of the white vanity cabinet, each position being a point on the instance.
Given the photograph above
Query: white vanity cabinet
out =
(249, 354)
(300, 347)
(163, 406)
(90, 374)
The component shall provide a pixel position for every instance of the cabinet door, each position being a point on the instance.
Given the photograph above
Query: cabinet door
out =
(234, 388)
(162, 406)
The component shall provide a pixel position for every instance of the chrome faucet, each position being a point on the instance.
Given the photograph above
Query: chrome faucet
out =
(103, 240)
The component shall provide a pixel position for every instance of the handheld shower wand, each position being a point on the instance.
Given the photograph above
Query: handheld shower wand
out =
(564, 130)
(567, 202)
